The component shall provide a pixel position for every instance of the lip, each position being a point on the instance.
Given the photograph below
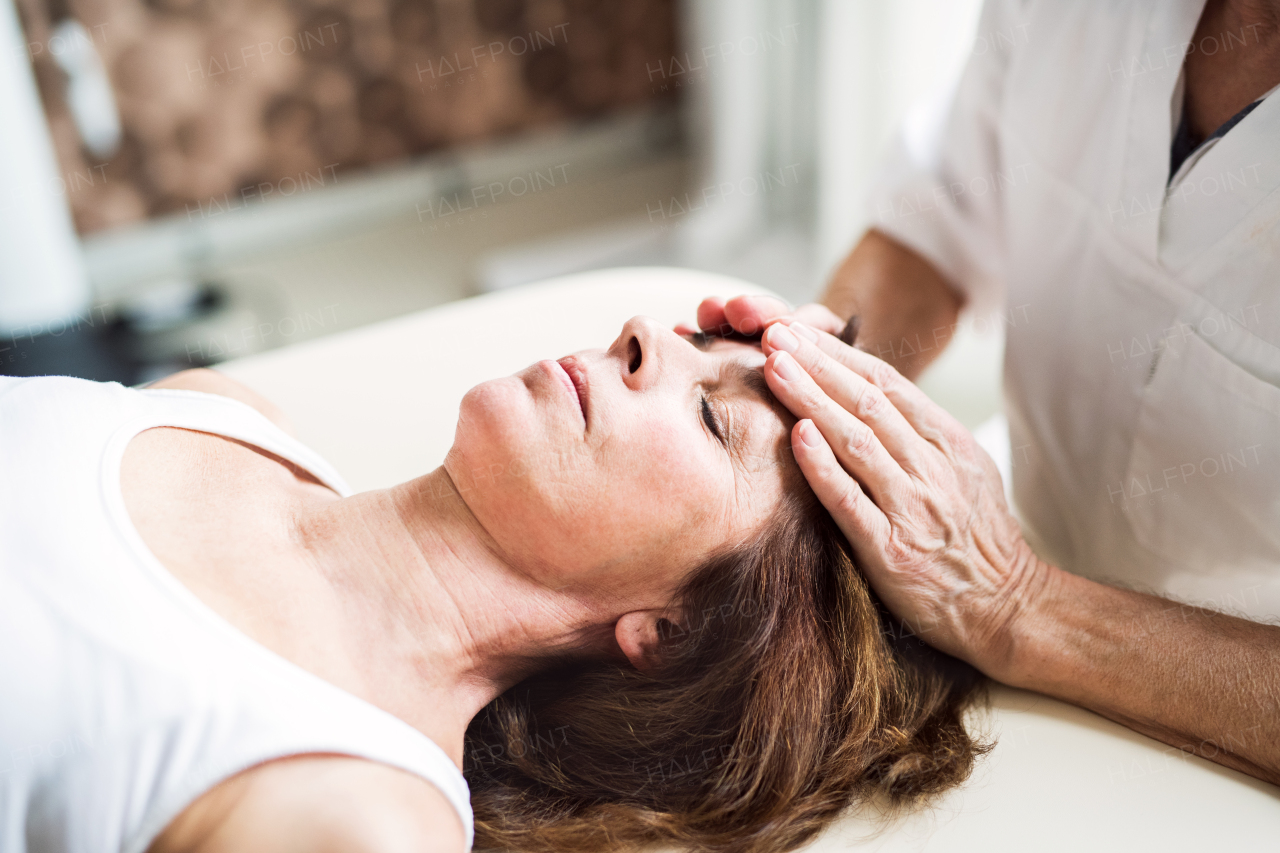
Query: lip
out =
(575, 379)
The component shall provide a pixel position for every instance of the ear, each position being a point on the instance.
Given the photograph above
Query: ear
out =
(640, 639)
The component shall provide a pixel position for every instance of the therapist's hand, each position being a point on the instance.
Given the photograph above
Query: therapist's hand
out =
(749, 315)
(920, 502)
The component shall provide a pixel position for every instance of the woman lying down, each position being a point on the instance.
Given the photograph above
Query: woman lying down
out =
(638, 626)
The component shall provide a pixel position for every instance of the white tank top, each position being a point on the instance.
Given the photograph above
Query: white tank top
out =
(123, 697)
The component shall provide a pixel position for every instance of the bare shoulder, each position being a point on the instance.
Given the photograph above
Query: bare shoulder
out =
(318, 804)
(211, 381)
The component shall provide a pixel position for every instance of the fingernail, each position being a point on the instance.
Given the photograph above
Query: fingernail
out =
(781, 338)
(786, 367)
(809, 433)
(804, 331)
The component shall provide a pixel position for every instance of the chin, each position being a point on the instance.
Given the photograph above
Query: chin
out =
(496, 428)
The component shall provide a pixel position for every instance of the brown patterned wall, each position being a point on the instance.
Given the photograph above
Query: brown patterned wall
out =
(230, 101)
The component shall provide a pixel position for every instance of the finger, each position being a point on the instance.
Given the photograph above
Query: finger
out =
(749, 315)
(711, 317)
(685, 329)
(855, 444)
(856, 395)
(858, 518)
(924, 415)
(820, 317)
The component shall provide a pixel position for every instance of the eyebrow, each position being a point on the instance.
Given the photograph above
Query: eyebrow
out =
(701, 340)
(750, 378)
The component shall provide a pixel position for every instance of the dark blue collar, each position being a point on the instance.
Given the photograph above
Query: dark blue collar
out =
(1184, 145)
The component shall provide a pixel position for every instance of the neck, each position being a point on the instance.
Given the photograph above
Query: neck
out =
(1253, 22)
(1263, 12)
(434, 620)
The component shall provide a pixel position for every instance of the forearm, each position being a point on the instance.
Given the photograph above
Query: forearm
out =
(906, 308)
(1199, 680)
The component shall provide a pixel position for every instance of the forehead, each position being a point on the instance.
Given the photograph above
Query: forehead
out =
(747, 352)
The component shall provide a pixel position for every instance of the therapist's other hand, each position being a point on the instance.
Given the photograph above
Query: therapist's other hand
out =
(750, 315)
(920, 502)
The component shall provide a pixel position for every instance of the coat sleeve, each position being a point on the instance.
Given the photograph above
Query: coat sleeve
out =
(939, 190)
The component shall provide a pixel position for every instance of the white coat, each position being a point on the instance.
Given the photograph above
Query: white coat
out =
(1142, 370)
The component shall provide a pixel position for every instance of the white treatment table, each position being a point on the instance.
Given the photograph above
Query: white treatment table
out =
(380, 403)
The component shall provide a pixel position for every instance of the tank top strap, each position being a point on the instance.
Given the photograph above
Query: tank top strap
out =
(233, 418)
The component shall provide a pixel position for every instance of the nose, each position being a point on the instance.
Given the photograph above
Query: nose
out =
(645, 351)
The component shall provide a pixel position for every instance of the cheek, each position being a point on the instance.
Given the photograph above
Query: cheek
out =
(528, 483)
(653, 495)
(663, 487)
(640, 500)
(671, 466)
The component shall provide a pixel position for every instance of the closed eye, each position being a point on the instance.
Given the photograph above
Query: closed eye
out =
(709, 418)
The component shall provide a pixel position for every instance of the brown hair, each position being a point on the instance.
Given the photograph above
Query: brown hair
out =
(790, 695)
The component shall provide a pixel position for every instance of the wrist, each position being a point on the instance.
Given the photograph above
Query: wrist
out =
(1022, 655)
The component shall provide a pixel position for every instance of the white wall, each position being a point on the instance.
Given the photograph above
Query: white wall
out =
(877, 60)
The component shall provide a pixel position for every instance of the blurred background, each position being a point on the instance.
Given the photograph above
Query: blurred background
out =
(191, 181)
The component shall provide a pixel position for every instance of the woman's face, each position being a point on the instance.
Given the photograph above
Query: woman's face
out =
(624, 469)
